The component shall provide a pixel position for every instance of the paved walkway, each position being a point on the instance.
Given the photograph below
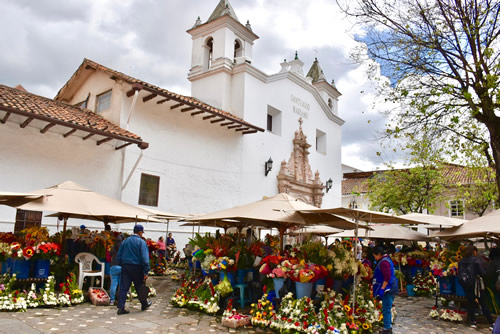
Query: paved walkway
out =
(163, 318)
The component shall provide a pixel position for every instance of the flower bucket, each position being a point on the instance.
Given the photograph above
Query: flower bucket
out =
(409, 290)
(337, 285)
(257, 261)
(278, 284)
(5, 268)
(446, 286)
(42, 268)
(271, 296)
(240, 276)
(303, 289)
(21, 268)
(459, 290)
(319, 285)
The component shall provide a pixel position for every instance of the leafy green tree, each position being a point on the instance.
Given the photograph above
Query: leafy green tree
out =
(482, 193)
(443, 59)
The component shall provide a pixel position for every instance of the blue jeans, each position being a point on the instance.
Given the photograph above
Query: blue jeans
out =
(115, 272)
(386, 310)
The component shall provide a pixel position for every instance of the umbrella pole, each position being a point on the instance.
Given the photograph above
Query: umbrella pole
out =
(355, 259)
(282, 235)
(63, 236)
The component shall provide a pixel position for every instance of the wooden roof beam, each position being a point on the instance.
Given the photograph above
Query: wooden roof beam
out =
(208, 117)
(26, 122)
(149, 97)
(135, 87)
(4, 119)
(47, 127)
(122, 146)
(248, 132)
(69, 133)
(242, 129)
(175, 106)
(163, 101)
(227, 123)
(102, 141)
(235, 126)
(88, 136)
(197, 113)
(187, 109)
(218, 120)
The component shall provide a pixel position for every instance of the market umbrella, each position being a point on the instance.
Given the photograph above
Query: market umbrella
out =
(392, 232)
(319, 230)
(435, 222)
(70, 199)
(485, 226)
(14, 198)
(278, 211)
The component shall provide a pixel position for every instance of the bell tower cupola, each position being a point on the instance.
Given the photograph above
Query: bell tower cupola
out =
(219, 44)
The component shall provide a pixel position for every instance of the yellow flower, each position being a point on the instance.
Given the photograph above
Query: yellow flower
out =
(347, 308)
(366, 326)
(270, 308)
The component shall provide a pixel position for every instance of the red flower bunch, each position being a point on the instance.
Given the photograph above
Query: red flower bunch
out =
(28, 252)
(47, 250)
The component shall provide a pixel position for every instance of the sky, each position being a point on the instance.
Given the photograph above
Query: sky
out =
(46, 41)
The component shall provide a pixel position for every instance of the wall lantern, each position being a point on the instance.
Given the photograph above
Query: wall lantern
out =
(268, 165)
(329, 184)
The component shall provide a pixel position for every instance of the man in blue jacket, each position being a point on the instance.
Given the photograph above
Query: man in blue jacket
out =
(385, 286)
(133, 257)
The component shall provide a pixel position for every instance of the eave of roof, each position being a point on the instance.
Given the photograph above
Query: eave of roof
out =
(56, 113)
(189, 104)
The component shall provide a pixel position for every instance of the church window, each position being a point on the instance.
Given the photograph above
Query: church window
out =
(238, 50)
(330, 103)
(456, 208)
(273, 120)
(149, 191)
(209, 52)
(103, 102)
(320, 141)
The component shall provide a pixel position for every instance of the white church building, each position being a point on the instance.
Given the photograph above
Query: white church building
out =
(151, 147)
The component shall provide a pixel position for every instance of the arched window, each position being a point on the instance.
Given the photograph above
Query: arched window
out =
(330, 103)
(209, 51)
(238, 50)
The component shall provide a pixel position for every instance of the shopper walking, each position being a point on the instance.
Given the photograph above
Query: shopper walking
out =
(133, 257)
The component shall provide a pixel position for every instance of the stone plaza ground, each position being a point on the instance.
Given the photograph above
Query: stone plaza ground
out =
(413, 317)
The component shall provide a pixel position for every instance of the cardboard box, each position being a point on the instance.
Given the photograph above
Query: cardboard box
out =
(234, 322)
(98, 297)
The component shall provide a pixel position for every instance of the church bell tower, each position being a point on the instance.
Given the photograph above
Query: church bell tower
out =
(219, 45)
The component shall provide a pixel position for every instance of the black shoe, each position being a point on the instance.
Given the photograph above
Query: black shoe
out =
(122, 311)
(145, 307)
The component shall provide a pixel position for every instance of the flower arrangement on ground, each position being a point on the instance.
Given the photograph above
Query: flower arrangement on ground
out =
(296, 316)
(447, 314)
(262, 312)
(425, 285)
(232, 318)
(197, 295)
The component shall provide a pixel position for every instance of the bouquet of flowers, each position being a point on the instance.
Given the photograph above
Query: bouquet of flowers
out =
(434, 314)
(296, 316)
(223, 263)
(424, 285)
(184, 294)
(344, 263)
(47, 250)
(262, 312)
(452, 315)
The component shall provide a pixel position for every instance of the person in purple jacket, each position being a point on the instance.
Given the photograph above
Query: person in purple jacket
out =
(385, 285)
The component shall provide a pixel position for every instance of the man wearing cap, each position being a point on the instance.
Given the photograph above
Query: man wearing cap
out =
(133, 257)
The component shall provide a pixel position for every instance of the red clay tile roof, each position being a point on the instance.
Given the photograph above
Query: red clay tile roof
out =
(38, 107)
(87, 63)
(453, 174)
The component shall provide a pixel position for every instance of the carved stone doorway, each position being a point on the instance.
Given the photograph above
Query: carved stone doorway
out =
(295, 177)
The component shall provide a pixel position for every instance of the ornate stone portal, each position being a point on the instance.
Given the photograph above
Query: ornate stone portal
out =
(295, 177)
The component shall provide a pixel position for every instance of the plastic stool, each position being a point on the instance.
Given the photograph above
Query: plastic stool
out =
(243, 287)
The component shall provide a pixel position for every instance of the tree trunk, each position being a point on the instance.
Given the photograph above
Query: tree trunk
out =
(494, 129)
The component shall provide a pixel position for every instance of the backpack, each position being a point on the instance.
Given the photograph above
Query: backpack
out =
(466, 275)
(497, 283)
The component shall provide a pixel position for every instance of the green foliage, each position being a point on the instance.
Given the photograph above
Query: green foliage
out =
(315, 252)
(482, 193)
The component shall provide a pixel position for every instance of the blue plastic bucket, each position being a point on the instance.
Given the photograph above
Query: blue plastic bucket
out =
(42, 268)
(303, 289)
(21, 268)
(446, 286)
(459, 290)
(278, 284)
(410, 290)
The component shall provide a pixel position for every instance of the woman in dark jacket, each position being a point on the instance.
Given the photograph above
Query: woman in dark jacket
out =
(472, 267)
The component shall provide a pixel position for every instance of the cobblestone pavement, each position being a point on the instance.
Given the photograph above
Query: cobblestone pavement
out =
(163, 318)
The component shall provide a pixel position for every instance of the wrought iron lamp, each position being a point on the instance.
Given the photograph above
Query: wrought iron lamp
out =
(268, 165)
(329, 184)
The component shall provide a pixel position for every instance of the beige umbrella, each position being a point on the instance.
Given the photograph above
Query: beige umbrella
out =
(278, 211)
(13, 198)
(392, 232)
(485, 226)
(70, 199)
(435, 222)
(319, 230)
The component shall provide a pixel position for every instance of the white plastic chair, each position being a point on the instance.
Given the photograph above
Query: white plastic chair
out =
(85, 261)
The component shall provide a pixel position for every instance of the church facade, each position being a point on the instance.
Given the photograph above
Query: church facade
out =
(208, 151)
